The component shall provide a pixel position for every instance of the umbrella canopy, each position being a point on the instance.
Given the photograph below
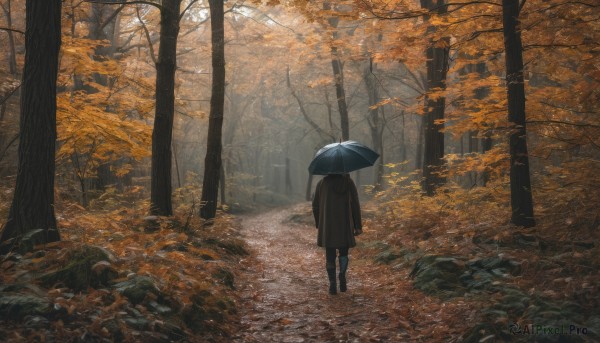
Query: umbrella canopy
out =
(342, 158)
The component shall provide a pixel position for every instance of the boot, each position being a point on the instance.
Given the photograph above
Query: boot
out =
(343, 268)
(331, 274)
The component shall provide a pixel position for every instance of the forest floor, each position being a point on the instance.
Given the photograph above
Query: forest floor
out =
(419, 273)
(398, 294)
(285, 291)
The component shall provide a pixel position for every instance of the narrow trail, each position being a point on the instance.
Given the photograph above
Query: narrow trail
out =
(284, 294)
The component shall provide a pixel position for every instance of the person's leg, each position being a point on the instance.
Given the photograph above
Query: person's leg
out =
(343, 268)
(330, 266)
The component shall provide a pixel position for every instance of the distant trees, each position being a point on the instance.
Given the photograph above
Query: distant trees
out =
(212, 161)
(32, 210)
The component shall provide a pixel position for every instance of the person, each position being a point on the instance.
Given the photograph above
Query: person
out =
(337, 216)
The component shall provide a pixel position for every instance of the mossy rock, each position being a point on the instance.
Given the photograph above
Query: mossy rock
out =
(137, 288)
(16, 306)
(386, 256)
(79, 274)
(439, 275)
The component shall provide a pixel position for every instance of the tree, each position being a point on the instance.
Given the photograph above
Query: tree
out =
(437, 67)
(160, 193)
(520, 185)
(212, 161)
(338, 74)
(32, 210)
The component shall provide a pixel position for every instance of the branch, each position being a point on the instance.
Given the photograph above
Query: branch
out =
(10, 93)
(134, 2)
(261, 14)
(303, 110)
(151, 46)
(562, 123)
(11, 30)
(112, 16)
(186, 9)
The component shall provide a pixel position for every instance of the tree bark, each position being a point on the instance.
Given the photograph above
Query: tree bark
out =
(162, 133)
(33, 200)
(437, 67)
(374, 121)
(212, 161)
(520, 183)
(338, 76)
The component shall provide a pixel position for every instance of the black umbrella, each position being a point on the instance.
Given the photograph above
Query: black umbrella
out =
(342, 158)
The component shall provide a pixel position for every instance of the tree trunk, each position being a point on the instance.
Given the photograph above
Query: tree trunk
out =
(338, 76)
(162, 133)
(520, 184)
(212, 161)
(33, 200)
(437, 67)
(374, 121)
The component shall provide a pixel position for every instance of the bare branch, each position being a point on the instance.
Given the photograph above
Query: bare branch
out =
(133, 2)
(150, 45)
(112, 16)
(187, 8)
(11, 30)
(10, 93)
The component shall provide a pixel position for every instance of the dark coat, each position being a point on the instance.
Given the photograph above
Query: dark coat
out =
(337, 212)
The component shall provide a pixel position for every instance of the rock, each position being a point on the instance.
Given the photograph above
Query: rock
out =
(36, 322)
(138, 323)
(158, 308)
(78, 274)
(137, 288)
(386, 257)
(502, 265)
(18, 306)
(103, 273)
(151, 224)
(438, 275)
(114, 329)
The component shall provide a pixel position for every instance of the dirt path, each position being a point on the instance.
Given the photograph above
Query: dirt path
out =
(284, 294)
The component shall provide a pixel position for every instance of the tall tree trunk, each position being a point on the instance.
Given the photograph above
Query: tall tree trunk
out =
(338, 76)
(212, 161)
(437, 67)
(374, 121)
(162, 133)
(520, 183)
(33, 200)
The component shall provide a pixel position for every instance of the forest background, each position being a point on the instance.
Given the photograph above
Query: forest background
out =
(426, 84)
